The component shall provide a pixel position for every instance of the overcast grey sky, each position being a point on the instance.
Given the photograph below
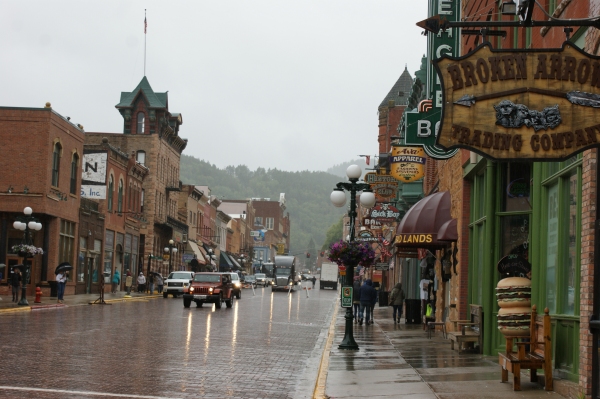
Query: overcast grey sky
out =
(293, 85)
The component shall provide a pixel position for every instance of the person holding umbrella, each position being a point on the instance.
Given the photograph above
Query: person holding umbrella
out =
(61, 280)
(159, 282)
(15, 282)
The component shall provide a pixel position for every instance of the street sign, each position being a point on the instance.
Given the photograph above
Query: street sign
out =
(382, 266)
(346, 297)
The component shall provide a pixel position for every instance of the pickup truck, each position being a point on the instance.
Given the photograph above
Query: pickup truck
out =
(210, 288)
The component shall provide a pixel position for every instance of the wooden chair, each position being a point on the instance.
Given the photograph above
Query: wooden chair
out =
(539, 355)
(468, 330)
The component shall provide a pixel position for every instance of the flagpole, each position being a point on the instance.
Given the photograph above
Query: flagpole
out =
(145, 26)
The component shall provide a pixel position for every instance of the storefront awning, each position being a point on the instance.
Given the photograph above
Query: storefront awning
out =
(236, 265)
(192, 246)
(427, 224)
(225, 263)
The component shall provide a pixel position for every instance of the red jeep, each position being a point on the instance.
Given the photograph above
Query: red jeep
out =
(211, 288)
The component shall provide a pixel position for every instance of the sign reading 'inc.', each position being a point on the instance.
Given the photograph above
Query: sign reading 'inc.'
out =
(534, 104)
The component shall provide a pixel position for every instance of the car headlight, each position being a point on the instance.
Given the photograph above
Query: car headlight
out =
(237, 285)
(191, 289)
(210, 290)
(291, 283)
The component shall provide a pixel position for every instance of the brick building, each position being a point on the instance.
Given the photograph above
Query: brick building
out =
(151, 131)
(271, 219)
(41, 161)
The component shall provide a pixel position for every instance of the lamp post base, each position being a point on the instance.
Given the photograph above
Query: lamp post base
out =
(23, 301)
(348, 343)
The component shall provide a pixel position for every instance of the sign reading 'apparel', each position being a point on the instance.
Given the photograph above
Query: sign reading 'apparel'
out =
(538, 105)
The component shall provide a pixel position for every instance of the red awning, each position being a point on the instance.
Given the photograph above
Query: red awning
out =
(427, 224)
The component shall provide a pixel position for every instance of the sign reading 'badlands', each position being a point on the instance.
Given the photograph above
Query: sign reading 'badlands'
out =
(538, 105)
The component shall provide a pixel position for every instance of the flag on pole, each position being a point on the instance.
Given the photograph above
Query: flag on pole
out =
(145, 25)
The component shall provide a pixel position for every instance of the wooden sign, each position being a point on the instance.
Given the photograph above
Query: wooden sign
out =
(384, 186)
(520, 104)
(407, 163)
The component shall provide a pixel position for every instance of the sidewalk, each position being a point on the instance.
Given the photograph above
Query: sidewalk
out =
(398, 360)
(6, 304)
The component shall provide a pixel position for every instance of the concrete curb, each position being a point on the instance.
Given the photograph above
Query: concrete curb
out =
(319, 391)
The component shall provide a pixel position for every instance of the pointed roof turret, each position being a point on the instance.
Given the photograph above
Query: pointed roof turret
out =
(401, 90)
(154, 100)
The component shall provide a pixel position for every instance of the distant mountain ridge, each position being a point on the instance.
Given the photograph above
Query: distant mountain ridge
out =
(306, 193)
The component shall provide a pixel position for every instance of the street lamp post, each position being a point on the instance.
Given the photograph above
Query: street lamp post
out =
(171, 249)
(367, 199)
(26, 224)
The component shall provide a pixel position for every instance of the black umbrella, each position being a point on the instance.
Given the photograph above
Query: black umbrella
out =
(156, 274)
(63, 267)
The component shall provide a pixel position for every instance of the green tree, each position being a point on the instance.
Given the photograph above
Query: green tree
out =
(333, 234)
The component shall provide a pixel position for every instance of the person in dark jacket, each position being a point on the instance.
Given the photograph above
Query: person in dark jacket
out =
(397, 300)
(368, 295)
(356, 298)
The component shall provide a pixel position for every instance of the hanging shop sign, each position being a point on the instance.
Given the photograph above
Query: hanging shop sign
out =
(530, 104)
(422, 126)
(93, 175)
(384, 212)
(407, 163)
(366, 236)
(385, 187)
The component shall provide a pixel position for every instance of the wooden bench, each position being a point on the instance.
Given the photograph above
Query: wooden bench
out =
(538, 356)
(468, 330)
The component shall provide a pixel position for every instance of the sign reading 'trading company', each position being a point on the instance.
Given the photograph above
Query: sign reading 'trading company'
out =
(534, 104)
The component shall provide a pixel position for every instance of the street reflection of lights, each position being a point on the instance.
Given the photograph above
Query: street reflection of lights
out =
(207, 338)
(234, 335)
(188, 340)
(289, 307)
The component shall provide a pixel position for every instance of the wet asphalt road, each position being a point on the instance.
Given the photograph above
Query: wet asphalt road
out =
(266, 346)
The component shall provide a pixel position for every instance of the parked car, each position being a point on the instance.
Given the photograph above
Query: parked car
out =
(237, 284)
(261, 279)
(210, 288)
(176, 283)
(250, 280)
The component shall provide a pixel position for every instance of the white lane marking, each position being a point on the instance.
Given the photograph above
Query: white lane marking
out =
(88, 393)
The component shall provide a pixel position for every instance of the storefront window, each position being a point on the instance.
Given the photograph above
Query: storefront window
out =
(515, 235)
(97, 268)
(81, 260)
(517, 187)
(108, 254)
(551, 247)
(570, 269)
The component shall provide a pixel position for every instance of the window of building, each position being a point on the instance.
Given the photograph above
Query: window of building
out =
(108, 252)
(258, 221)
(74, 173)
(111, 189)
(140, 122)
(141, 157)
(269, 223)
(56, 164)
(120, 197)
(66, 242)
(81, 261)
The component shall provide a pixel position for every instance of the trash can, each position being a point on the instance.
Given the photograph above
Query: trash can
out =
(413, 311)
(53, 288)
(383, 298)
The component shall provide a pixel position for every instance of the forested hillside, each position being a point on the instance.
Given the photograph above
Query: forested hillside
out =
(306, 193)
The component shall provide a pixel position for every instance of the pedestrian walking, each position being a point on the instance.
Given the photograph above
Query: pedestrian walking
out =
(61, 281)
(116, 280)
(397, 301)
(128, 282)
(15, 282)
(151, 282)
(141, 282)
(314, 280)
(356, 298)
(367, 296)
(159, 282)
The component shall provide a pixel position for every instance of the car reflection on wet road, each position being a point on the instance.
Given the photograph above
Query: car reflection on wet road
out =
(267, 346)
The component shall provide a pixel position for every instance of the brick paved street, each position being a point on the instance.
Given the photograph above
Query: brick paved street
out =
(266, 346)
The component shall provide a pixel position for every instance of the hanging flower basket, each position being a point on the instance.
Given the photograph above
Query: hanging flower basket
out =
(351, 253)
(27, 250)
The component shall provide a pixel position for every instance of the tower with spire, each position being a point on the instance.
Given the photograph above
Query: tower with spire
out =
(391, 110)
